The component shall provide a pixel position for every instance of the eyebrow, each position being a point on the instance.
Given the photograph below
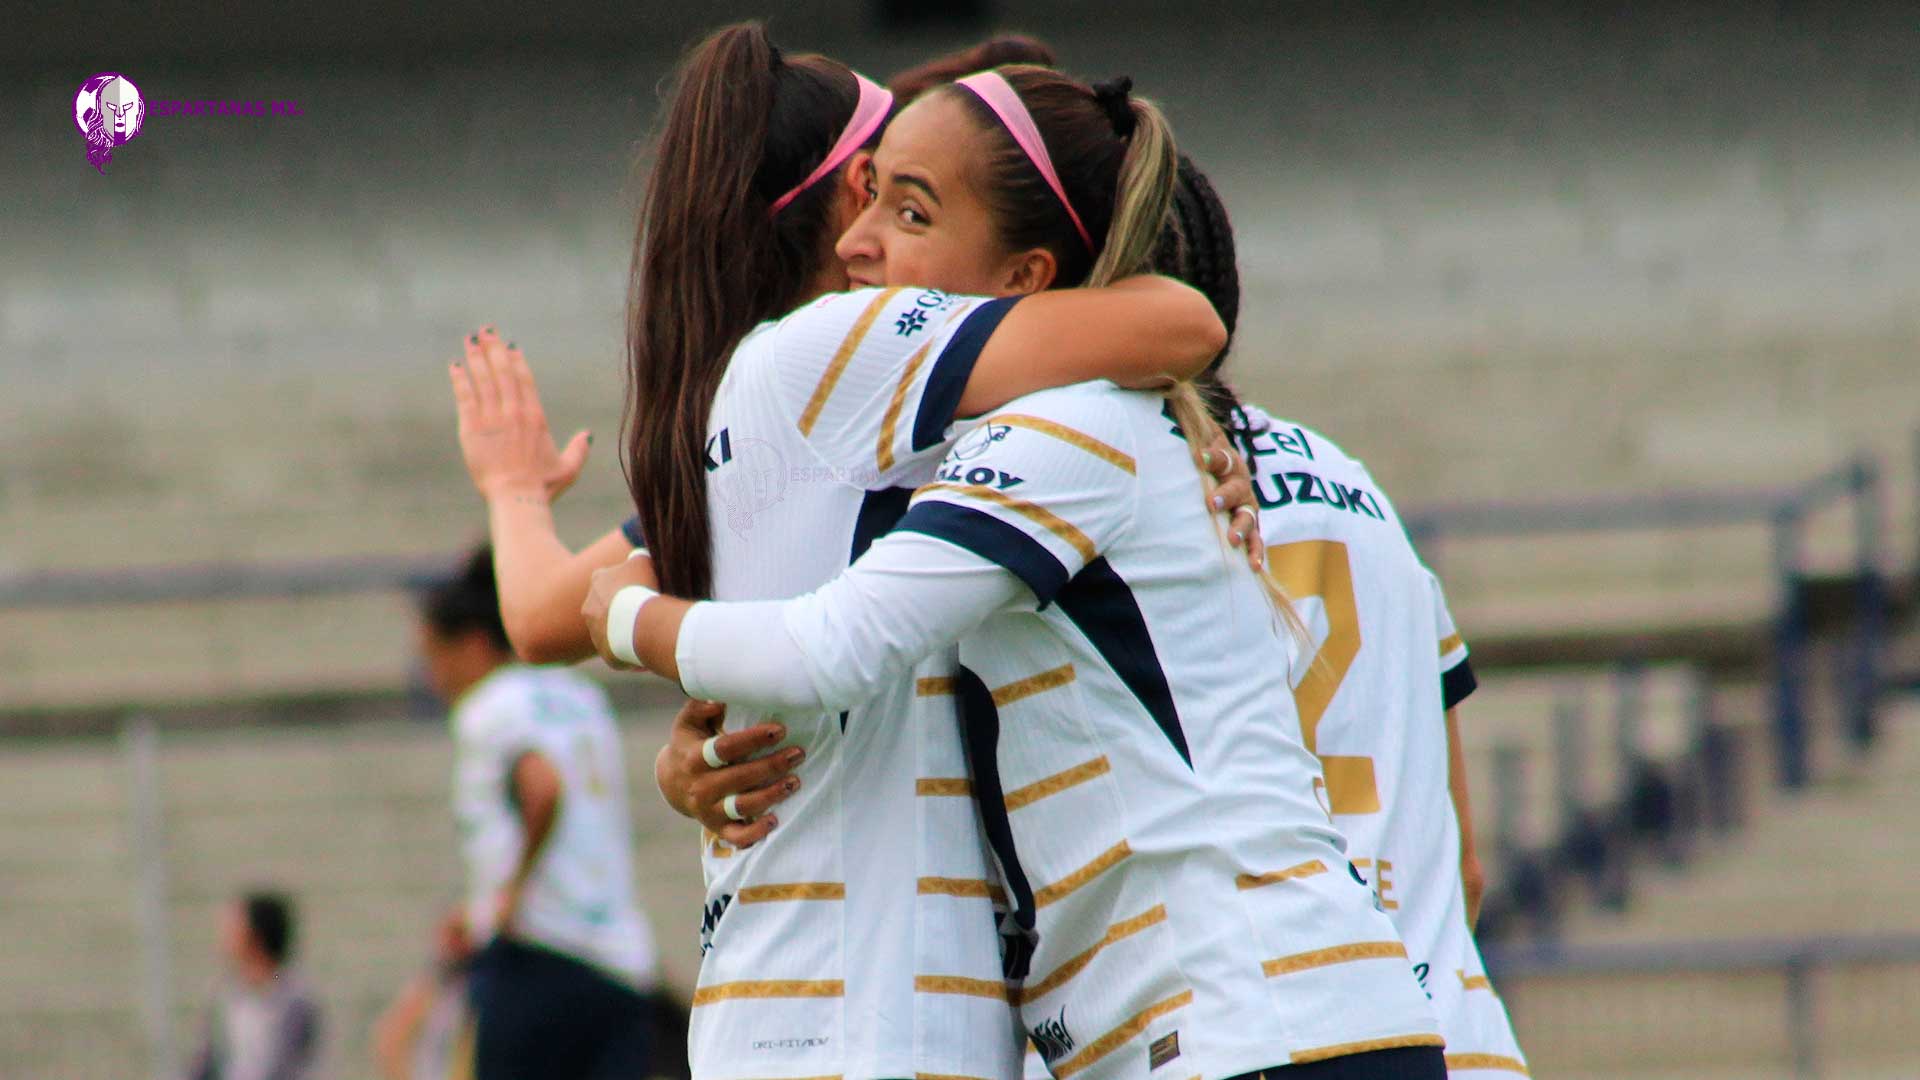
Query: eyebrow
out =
(919, 182)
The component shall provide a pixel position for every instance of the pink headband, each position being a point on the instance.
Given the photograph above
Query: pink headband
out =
(868, 112)
(999, 95)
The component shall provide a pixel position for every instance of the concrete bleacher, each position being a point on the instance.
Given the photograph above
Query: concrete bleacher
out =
(354, 821)
(1824, 863)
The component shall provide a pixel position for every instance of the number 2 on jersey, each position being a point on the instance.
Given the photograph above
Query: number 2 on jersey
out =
(1321, 568)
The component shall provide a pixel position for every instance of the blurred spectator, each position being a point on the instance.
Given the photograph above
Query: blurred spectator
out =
(563, 956)
(265, 1022)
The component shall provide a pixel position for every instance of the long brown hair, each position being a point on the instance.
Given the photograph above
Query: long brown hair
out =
(710, 262)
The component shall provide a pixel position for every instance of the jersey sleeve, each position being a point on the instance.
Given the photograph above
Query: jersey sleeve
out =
(875, 376)
(902, 601)
(1456, 673)
(505, 725)
(1040, 488)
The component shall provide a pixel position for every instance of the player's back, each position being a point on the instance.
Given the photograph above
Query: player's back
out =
(813, 938)
(1178, 891)
(1384, 665)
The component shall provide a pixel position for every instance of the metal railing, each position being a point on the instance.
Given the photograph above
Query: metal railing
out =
(1787, 513)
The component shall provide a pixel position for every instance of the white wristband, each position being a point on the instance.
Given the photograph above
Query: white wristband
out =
(620, 615)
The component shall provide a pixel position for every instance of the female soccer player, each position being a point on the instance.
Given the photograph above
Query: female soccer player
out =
(1177, 891)
(1378, 698)
(853, 942)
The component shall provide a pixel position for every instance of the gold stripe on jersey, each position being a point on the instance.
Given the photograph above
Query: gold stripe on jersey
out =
(1450, 643)
(841, 357)
(1051, 679)
(933, 686)
(769, 988)
(799, 890)
(1473, 982)
(890, 422)
(1066, 886)
(1057, 783)
(942, 785)
(1351, 787)
(972, 888)
(1273, 877)
(955, 984)
(1065, 434)
(1494, 1062)
(1339, 954)
(1034, 512)
(1397, 1042)
(1117, 932)
(1113, 1040)
(716, 847)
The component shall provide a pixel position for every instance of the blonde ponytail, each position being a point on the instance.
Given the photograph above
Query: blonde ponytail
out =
(1140, 209)
(1142, 199)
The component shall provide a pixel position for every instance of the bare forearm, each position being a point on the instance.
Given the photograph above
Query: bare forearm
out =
(541, 581)
(1472, 880)
(537, 791)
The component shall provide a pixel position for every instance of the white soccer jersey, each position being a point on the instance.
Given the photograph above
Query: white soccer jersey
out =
(1181, 904)
(579, 899)
(855, 939)
(1387, 663)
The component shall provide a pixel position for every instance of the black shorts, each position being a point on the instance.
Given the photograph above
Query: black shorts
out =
(1403, 1063)
(537, 1013)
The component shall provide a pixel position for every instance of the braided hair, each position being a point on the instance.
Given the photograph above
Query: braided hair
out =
(1198, 250)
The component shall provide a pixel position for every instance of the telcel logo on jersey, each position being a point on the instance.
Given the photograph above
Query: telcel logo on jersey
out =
(109, 111)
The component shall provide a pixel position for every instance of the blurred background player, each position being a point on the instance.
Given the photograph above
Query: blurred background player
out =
(265, 1022)
(563, 953)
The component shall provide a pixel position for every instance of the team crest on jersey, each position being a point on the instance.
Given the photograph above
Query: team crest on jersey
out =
(1052, 1038)
(978, 441)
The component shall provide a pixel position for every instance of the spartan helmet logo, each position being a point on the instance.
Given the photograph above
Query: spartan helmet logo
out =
(109, 111)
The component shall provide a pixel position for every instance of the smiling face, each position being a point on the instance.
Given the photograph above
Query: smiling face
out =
(926, 224)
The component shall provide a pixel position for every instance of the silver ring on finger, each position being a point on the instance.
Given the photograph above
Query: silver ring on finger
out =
(709, 751)
(731, 807)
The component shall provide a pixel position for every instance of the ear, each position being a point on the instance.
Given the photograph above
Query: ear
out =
(1029, 271)
(853, 175)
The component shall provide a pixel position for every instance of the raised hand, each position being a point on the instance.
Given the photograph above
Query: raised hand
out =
(504, 438)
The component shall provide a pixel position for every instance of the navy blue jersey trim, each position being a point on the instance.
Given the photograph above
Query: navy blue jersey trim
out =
(630, 528)
(1101, 604)
(880, 511)
(1457, 683)
(947, 382)
(980, 726)
(993, 540)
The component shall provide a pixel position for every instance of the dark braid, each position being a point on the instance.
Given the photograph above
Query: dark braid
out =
(1201, 253)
